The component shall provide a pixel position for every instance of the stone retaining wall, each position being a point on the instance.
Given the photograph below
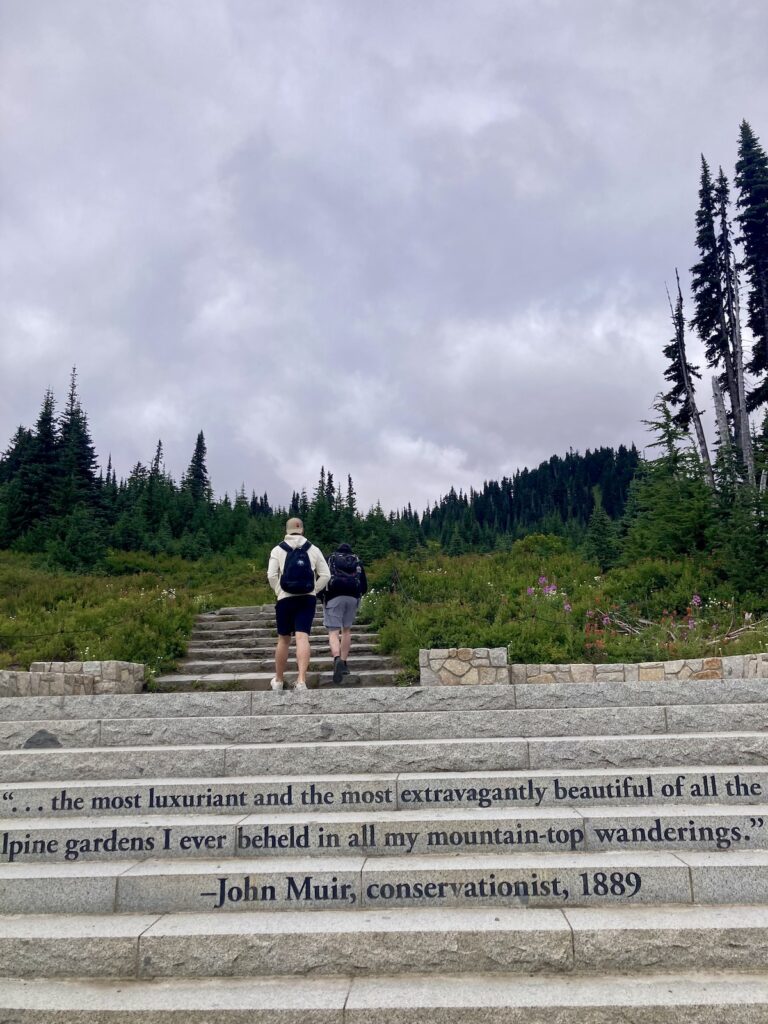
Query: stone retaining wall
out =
(67, 678)
(465, 666)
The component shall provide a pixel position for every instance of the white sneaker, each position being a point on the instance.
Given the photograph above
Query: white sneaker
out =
(276, 684)
(299, 686)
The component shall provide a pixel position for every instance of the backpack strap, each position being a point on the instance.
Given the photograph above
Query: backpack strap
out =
(288, 549)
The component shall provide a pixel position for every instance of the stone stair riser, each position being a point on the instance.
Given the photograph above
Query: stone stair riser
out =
(400, 834)
(362, 663)
(521, 791)
(230, 652)
(575, 941)
(383, 883)
(398, 699)
(390, 726)
(346, 758)
(264, 628)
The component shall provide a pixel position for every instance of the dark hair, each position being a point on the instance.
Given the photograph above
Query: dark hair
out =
(345, 549)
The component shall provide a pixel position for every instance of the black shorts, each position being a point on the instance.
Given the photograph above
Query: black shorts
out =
(295, 614)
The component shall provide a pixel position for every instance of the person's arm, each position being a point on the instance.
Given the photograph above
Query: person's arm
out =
(322, 572)
(273, 572)
(363, 581)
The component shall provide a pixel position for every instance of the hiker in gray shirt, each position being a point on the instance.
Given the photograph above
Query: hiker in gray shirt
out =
(342, 599)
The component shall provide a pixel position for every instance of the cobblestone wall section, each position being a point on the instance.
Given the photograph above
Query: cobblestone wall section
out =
(67, 678)
(465, 666)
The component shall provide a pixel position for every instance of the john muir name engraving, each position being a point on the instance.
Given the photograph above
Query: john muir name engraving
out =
(524, 888)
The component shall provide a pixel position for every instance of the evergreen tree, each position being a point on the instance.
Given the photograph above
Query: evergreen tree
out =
(680, 374)
(601, 541)
(752, 202)
(196, 480)
(77, 482)
(709, 320)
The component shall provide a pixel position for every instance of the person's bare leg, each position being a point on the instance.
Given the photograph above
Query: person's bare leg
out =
(281, 657)
(302, 656)
(333, 642)
(346, 643)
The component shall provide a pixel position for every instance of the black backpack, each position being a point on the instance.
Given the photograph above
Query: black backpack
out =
(345, 575)
(298, 575)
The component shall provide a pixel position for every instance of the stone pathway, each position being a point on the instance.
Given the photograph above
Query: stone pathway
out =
(579, 853)
(234, 648)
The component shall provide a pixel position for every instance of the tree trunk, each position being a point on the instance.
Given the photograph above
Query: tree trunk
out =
(722, 419)
(679, 323)
(738, 359)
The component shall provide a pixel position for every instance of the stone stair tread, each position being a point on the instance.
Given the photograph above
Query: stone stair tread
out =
(352, 862)
(409, 755)
(700, 997)
(525, 725)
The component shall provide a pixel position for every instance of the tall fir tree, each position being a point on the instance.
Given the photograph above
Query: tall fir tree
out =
(680, 374)
(752, 202)
(196, 480)
(77, 482)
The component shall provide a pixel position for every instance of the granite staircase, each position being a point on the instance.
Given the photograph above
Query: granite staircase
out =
(534, 853)
(234, 649)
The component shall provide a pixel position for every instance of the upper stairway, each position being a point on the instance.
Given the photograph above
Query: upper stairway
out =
(234, 649)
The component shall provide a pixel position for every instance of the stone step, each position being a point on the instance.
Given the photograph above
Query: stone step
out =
(18, 734)
(211, 652)
(346, 882)
(178, 681)
(682, 998)
(389, 699)
(268, 637)
(384, 756)
(232, 628)
(577, 940)
(520, 791)
(434, 832)
(319, 663)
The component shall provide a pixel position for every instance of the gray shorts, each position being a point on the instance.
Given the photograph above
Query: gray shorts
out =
(340, 612)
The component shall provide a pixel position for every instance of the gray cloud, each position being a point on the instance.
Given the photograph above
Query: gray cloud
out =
(424, 244)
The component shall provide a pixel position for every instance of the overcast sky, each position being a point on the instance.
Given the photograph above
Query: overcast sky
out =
(424, 242)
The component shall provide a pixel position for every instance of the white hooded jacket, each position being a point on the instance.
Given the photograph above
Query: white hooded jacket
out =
(277, 562)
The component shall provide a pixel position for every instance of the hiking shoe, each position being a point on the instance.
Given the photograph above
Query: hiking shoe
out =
(276, 684)
(299, 685)
(338, 670)
(344, 669)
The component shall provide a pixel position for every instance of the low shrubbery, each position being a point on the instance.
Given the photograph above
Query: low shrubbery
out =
(542, 600)
(546, 603)
(142, 609)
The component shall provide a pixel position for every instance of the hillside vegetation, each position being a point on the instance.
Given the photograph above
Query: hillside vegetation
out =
(543, 601)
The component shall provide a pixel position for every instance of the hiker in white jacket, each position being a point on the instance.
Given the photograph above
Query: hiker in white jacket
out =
(297, 573)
